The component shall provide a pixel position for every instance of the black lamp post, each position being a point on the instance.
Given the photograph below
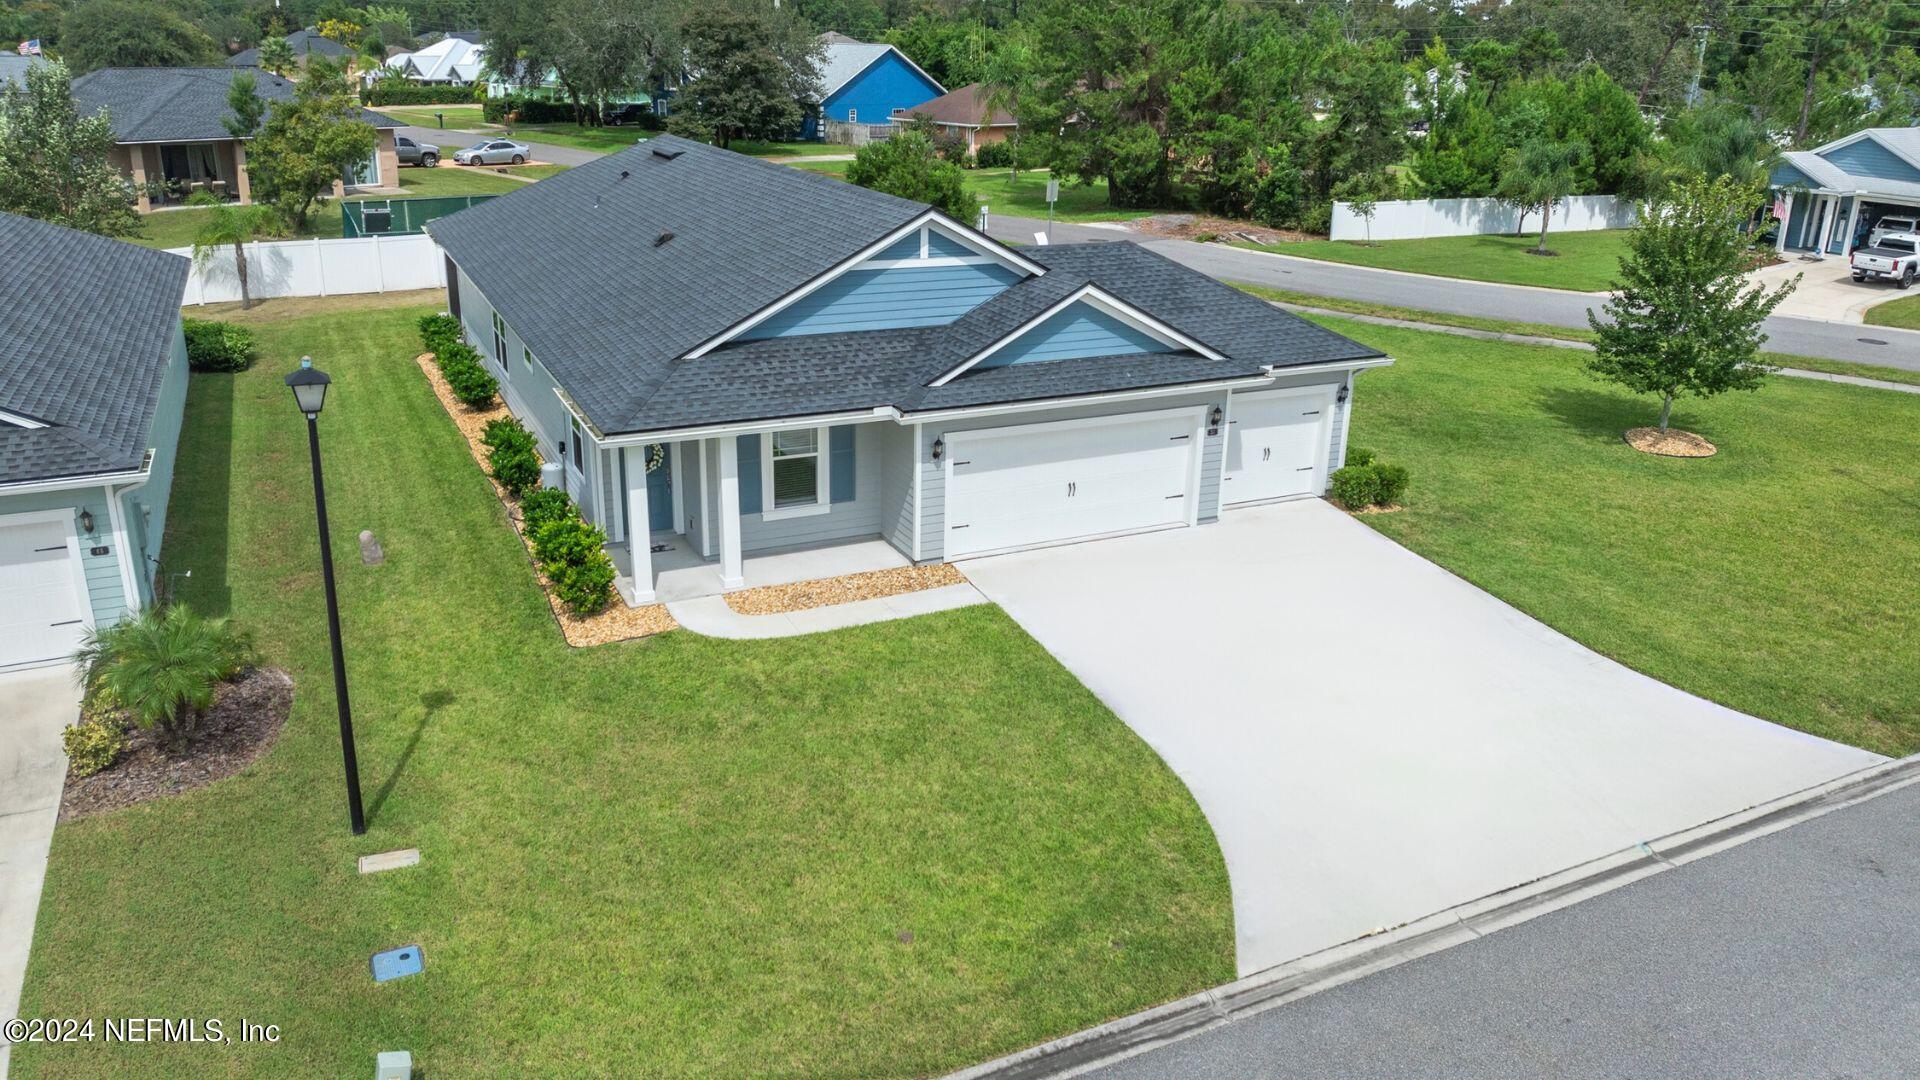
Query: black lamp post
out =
(309, 385)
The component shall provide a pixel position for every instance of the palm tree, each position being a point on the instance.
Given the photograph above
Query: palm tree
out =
(1008, 72)
(236, 226)
(163, 664)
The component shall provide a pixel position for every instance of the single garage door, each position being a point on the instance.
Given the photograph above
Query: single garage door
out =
(1042, 483)
(41, 613)
(1277, 444)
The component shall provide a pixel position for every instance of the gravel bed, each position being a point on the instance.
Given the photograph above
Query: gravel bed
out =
(824, 592)
(244, 720)
(618, 622)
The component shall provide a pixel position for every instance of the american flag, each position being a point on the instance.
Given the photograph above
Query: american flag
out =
(30, 47)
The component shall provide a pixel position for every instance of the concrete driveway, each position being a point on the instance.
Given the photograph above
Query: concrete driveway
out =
(1372, 738)
(1827, 289)
(34, 707)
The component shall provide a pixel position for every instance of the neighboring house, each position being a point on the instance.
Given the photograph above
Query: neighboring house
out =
(14, 68)
(807, 363)
(93, 380)
(305, 43)
(963, 114)
(865, 84)
(550, 88)
(1829, 198)
(451, 61)
(171, 138)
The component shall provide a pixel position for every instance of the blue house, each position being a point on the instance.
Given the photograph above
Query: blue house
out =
(865, 84)
(1829, 198)
(93, 384)
(737, 362)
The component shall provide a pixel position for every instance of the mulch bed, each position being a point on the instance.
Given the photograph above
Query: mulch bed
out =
(618, 622)
(825, 592)
(1675, 443)
(244, 721)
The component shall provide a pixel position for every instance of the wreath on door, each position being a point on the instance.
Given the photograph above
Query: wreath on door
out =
(656, 455)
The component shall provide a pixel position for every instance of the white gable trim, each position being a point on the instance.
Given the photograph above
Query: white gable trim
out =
(1864, 133)
(1095, 297)
(19, 420)
(932, 219)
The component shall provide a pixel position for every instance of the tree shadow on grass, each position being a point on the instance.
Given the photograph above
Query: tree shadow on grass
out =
(1602, 414)
(431, 702)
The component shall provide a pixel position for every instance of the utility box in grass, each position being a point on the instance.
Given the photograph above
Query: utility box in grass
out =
(393, 1065)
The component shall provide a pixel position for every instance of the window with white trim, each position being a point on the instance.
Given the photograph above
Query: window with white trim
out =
(853, 116)
(793, 472)
(500, 341)
(579, 458)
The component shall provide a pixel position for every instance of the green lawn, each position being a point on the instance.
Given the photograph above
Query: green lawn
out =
(1586, 261)
(177, 228)
(461, 117)
(1777, 577)
(1903, 314)
(1025, 197)
(886, 851)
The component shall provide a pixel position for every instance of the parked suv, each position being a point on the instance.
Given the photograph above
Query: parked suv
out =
(1888, 226)
(416, 153)
(1893, 259)
(630, 113)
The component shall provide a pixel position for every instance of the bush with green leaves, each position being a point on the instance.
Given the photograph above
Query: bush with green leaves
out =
(217, 346)
(471, 383)
(1367, 481)
(93, 745)
(573, 555)
(546, 505)
(994, 155)
(161, 665)
(512, 457)
(439, 333)
(506, 431)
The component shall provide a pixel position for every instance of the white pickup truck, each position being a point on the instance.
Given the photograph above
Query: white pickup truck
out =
(1894, 257)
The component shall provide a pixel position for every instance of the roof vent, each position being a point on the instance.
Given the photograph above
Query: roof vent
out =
(624, 174)
(665, 154)
(661, 240)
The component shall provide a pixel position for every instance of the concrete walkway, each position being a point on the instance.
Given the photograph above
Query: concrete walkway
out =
(711, 616)
(34, 707)
(1372, 738)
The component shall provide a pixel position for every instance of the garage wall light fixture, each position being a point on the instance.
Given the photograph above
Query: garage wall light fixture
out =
(1340, 398)
(86, 522)
(1215, 415)
(939, 449)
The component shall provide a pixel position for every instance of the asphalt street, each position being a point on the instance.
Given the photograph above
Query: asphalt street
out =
(1791, 955)
(451, 139)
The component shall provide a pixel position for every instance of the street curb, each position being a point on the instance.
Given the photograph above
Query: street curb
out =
(1130, 1035)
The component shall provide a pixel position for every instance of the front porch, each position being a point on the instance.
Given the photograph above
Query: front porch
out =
(681, 573)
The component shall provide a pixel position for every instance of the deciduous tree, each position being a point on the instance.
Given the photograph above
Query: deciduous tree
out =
(908, 166)
(308, 143)
(132, 33)
(54, 163)
(743, 87)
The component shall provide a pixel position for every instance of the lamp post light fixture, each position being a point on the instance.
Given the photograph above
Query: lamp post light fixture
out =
(309, 386)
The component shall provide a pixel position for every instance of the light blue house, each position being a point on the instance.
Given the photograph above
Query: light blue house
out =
(1830, 197)
(867, 84)
(93, 383)
(741, 365)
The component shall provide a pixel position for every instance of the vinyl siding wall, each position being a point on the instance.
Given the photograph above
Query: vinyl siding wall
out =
(887, 84)
(146, 509)
(1078, 331)
(897, 460)
(1869, 158)
(890, 298)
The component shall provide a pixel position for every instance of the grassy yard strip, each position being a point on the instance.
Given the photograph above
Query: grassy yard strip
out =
(1775, 578)
(1587, 261)
(1902, 314)
(177, 228)
(1022, 197)
(867, 853)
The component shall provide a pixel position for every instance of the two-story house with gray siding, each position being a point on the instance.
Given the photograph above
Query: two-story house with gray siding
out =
(1829, 198)
(93, 383)
(737, 357)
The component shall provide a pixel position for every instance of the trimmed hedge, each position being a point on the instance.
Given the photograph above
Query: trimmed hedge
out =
(531, 110)
(1367, 481)
(401, 92)
(217, 346)
(512, 456)
(994, 155)
(466, 376)
(569, 551)
(438, 332)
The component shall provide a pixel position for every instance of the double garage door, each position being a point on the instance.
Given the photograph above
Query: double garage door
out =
(42, 599)
(1044, 483)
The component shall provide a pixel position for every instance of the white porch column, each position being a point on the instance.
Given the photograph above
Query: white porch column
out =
(639, 542)
(679, 474)
(1853, 221)
(730, 575)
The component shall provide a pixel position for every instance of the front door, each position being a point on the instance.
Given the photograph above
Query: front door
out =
(1277, 444)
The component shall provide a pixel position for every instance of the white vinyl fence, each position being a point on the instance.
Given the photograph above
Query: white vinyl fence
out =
(369, 264)
(1410, 219)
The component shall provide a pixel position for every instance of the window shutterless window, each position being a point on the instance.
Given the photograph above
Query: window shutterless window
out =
(500, 340)
(579, 456)
(794, 472)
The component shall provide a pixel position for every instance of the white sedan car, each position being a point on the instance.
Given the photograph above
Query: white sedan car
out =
(494, 152)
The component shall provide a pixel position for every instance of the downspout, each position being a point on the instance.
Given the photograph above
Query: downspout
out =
(117, 520)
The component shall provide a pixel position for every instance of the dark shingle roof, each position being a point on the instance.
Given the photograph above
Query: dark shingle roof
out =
(86, 333)
(176, 104)
(304, 43)
(13, 68)
(572, 265)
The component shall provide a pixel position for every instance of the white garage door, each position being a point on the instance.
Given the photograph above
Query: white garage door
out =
(41, 612)
(1041, 483)
(1277, 444)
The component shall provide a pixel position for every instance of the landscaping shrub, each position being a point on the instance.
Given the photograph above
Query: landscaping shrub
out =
(1355, 487)
(511, 455)
(994, 155)
(529, 110)
(1367, 481)
(586, 587)
(217, 346)
(439, 333)
(470, 382)
(92, 746)
(506, 431)
(400, 92)
(162, 664)
(458, 352)
(545, 506)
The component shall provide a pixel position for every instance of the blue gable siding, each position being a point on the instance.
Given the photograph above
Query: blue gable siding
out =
(890, 299)
(887, 84)
(1080, 330)
(1869, 158)
(1786, 176)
